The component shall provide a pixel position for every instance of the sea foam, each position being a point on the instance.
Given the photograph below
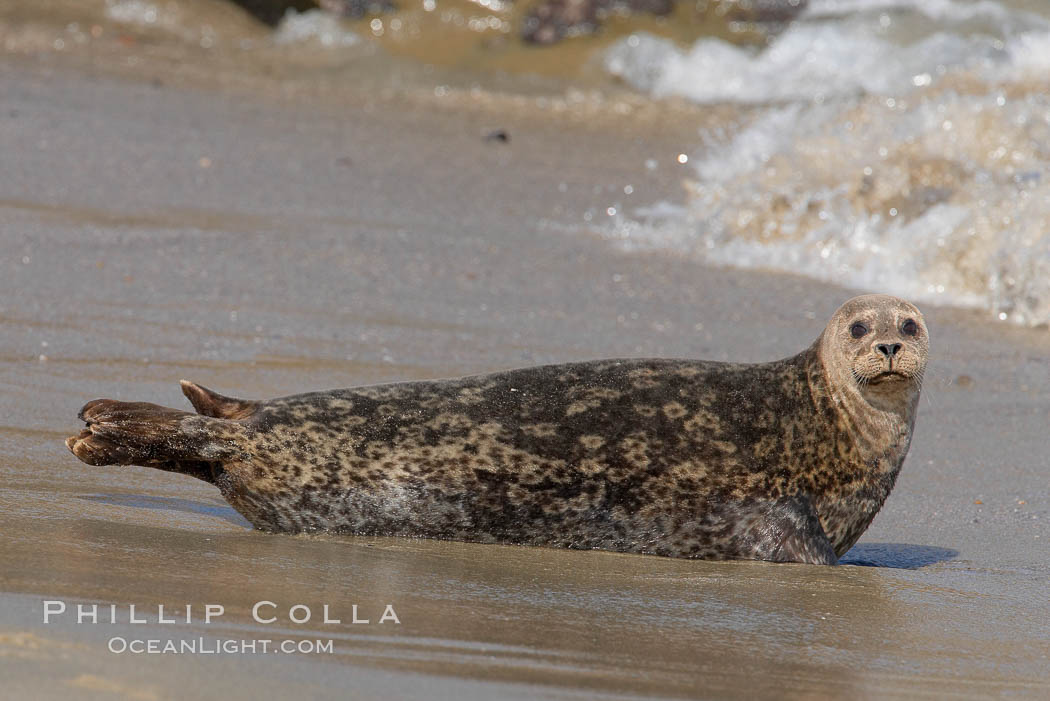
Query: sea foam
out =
(918, 165)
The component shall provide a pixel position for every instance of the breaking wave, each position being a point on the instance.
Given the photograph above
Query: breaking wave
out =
(886, 145)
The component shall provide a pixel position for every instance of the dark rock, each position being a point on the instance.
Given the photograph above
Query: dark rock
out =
(356, 8)
(554, 20)
(272, 11)
(764, 11)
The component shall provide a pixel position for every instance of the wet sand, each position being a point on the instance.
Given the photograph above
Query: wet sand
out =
(265, 245)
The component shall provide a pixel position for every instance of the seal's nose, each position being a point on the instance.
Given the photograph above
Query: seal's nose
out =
(889, 350)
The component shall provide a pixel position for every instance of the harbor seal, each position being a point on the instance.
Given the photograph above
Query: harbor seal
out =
(782, 461)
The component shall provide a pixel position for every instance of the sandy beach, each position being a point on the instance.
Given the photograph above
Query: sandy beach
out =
(265, 237)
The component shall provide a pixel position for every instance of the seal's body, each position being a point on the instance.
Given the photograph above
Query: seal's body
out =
(783, 461)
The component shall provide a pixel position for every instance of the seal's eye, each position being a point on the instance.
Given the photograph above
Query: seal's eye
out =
(858, 330)
(909, 328)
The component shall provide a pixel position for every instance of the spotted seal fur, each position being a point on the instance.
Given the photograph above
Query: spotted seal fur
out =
(784, 461)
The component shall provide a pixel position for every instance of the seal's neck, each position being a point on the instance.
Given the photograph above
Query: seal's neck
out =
(871, 436)
(879, 418)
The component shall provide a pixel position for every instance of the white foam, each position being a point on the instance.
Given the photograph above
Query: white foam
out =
(945, 11)
(920, 169)
(1029, 53)
(150, 15)
(313, 25)
(138, 12)
(807, 62)
(945, 199)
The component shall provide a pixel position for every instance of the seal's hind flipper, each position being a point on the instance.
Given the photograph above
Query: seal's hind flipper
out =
(139, 433)
(209, 403)
(789, 530)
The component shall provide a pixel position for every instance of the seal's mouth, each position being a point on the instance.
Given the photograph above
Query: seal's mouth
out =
(889, 376)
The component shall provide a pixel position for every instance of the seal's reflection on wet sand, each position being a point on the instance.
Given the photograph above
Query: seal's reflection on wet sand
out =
(139, 501)
(897, 555)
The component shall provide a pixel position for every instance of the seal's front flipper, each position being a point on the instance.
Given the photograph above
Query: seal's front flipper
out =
(788, 530)
(139, 433)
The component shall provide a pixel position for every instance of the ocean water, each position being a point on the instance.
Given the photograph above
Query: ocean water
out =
(887, 145)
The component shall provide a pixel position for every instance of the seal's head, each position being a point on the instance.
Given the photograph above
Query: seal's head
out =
(875, 346)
